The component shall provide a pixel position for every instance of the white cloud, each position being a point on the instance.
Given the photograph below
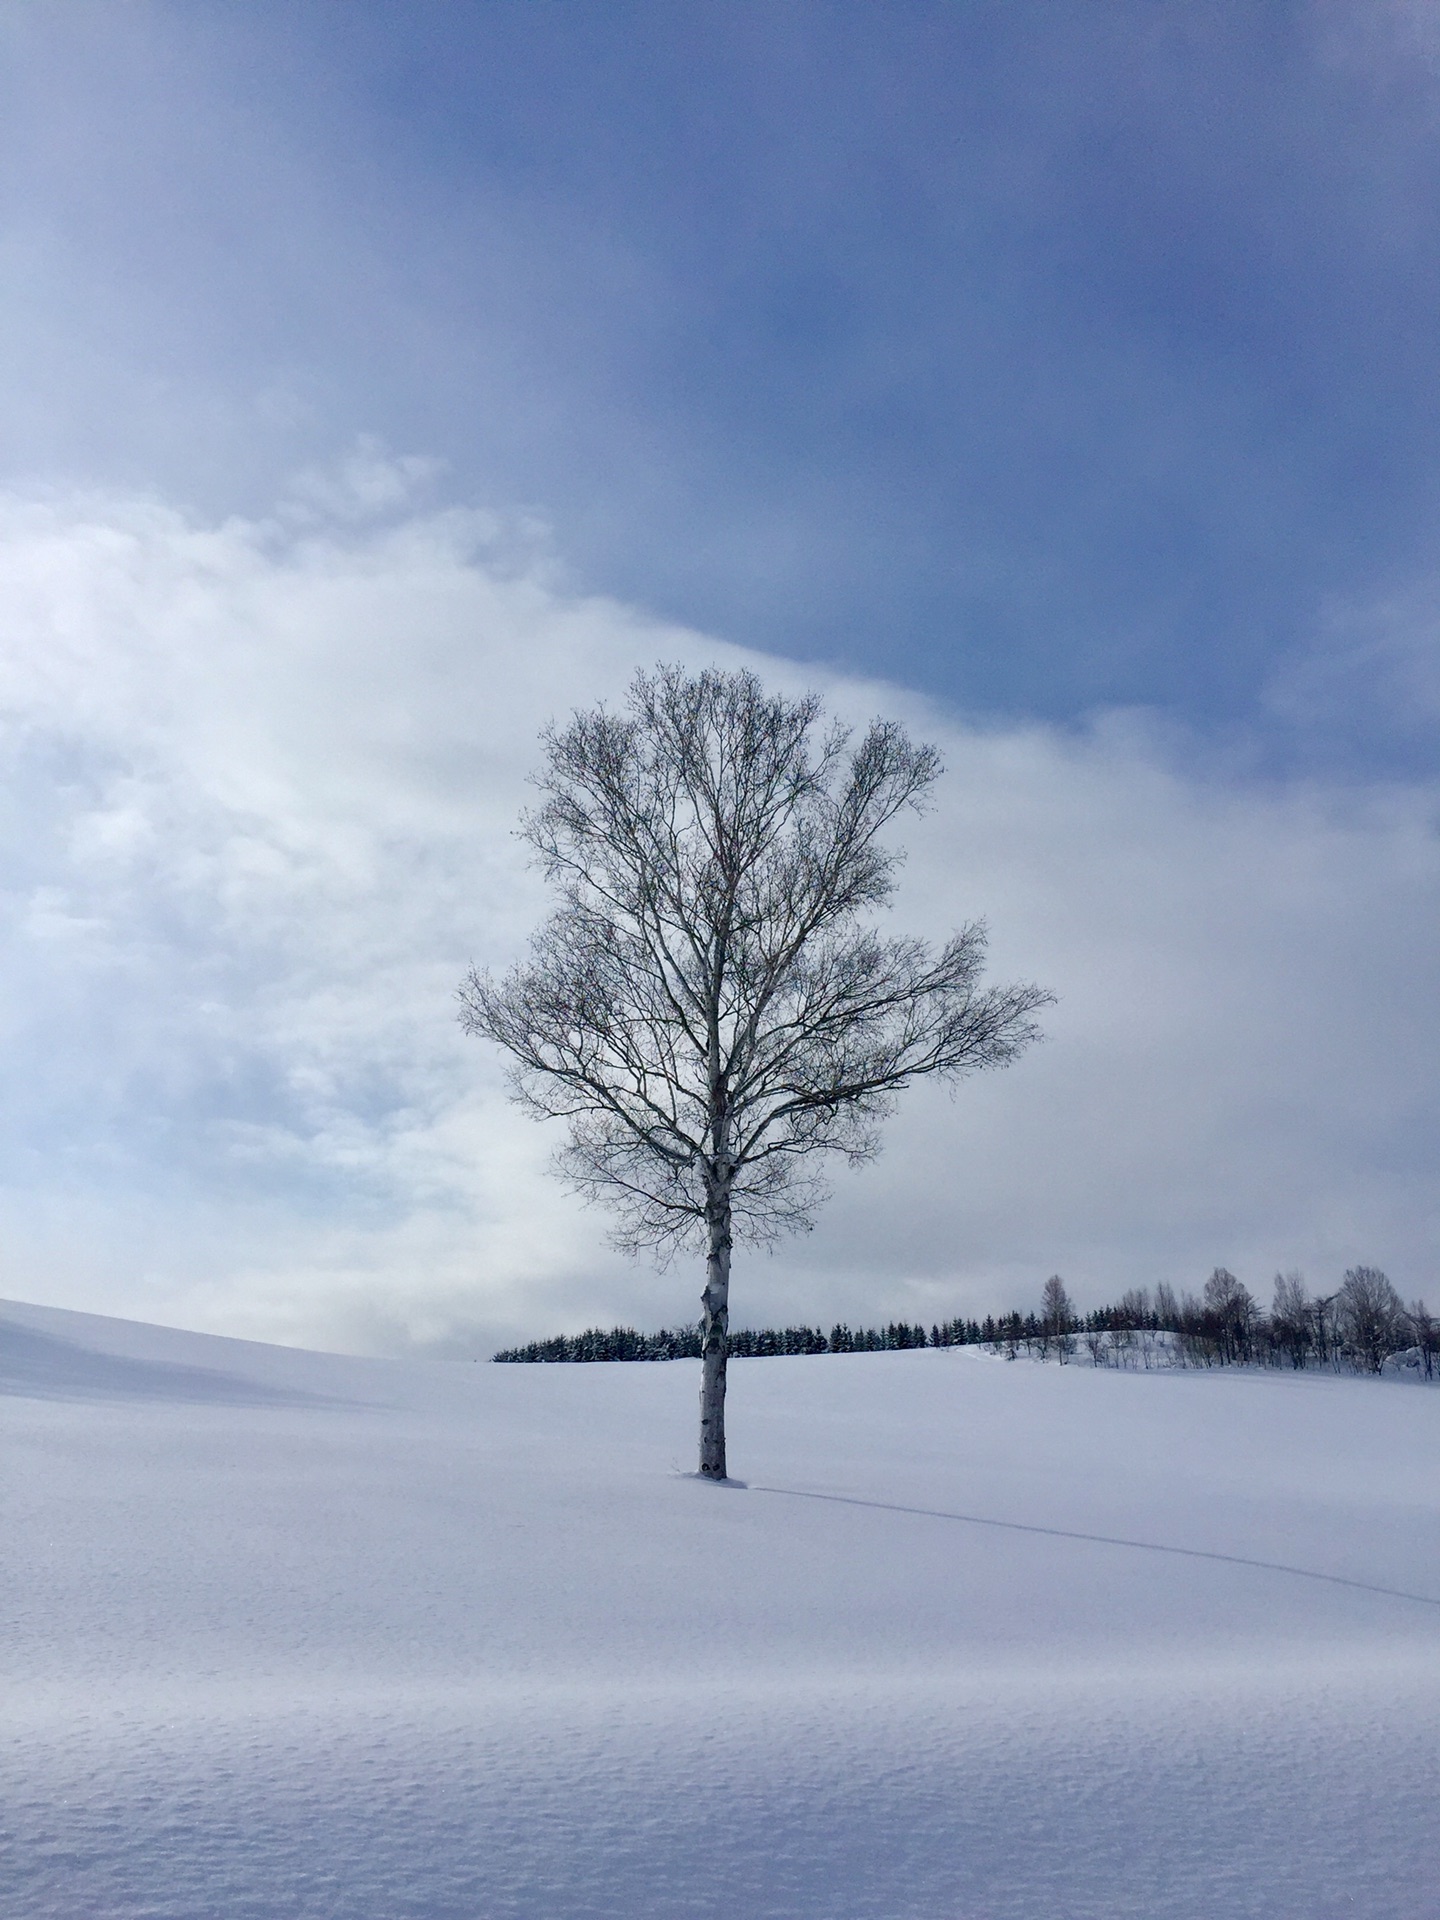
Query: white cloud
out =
(1372, 671)
(259, 784)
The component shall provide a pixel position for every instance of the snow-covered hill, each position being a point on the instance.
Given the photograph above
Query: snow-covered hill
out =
(292, 1634)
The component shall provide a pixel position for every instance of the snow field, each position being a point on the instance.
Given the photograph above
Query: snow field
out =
(293, 1634)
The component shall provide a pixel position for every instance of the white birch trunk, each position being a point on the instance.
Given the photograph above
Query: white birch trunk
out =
(715, 1336)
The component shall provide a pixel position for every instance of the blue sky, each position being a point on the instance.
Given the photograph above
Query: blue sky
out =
(1044, 357)
(380, 380)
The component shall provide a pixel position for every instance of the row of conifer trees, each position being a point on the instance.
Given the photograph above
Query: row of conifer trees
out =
(746, 1343)
(1356, 1328)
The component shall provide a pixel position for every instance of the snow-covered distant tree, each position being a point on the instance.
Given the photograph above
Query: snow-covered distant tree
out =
(707, 1008)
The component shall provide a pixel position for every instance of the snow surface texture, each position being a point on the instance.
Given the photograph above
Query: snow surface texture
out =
(290, 1634)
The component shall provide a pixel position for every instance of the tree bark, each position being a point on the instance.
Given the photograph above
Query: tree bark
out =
(715, 1337)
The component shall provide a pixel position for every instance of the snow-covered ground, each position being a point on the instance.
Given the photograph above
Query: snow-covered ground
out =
(291, 1634)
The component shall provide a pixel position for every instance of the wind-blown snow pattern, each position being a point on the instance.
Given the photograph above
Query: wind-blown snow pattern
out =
(287, 1634)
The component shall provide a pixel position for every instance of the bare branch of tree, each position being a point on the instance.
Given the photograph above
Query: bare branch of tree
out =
(706, 1009)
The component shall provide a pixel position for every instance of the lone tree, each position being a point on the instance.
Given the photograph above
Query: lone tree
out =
(706, 1008)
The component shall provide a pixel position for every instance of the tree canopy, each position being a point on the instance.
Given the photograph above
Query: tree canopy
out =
(708, 1008)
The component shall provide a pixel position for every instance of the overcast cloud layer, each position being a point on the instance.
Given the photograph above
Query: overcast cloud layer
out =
(259, 782)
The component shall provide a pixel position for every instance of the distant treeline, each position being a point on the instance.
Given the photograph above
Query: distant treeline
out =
(1357, 1328)
(746, 1343)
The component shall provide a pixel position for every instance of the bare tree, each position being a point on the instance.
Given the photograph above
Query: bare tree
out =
(1427, 1334)
(1292, 1318)
(706, 1008)
(1370, 1315)
(1057, 1319)
(1230, 1315)
(1323, 1312)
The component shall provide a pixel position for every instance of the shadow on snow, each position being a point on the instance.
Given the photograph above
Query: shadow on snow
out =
(38, 1366)
(1105, 1540)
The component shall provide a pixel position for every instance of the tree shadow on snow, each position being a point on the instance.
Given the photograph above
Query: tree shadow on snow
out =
(1105, 1540)
(38, 1366)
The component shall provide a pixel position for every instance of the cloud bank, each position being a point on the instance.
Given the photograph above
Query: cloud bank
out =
(259, 782)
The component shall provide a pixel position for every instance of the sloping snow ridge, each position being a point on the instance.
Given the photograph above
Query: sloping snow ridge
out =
(287, 1634)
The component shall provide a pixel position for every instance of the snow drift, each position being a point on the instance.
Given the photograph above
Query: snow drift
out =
(291, 1634)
